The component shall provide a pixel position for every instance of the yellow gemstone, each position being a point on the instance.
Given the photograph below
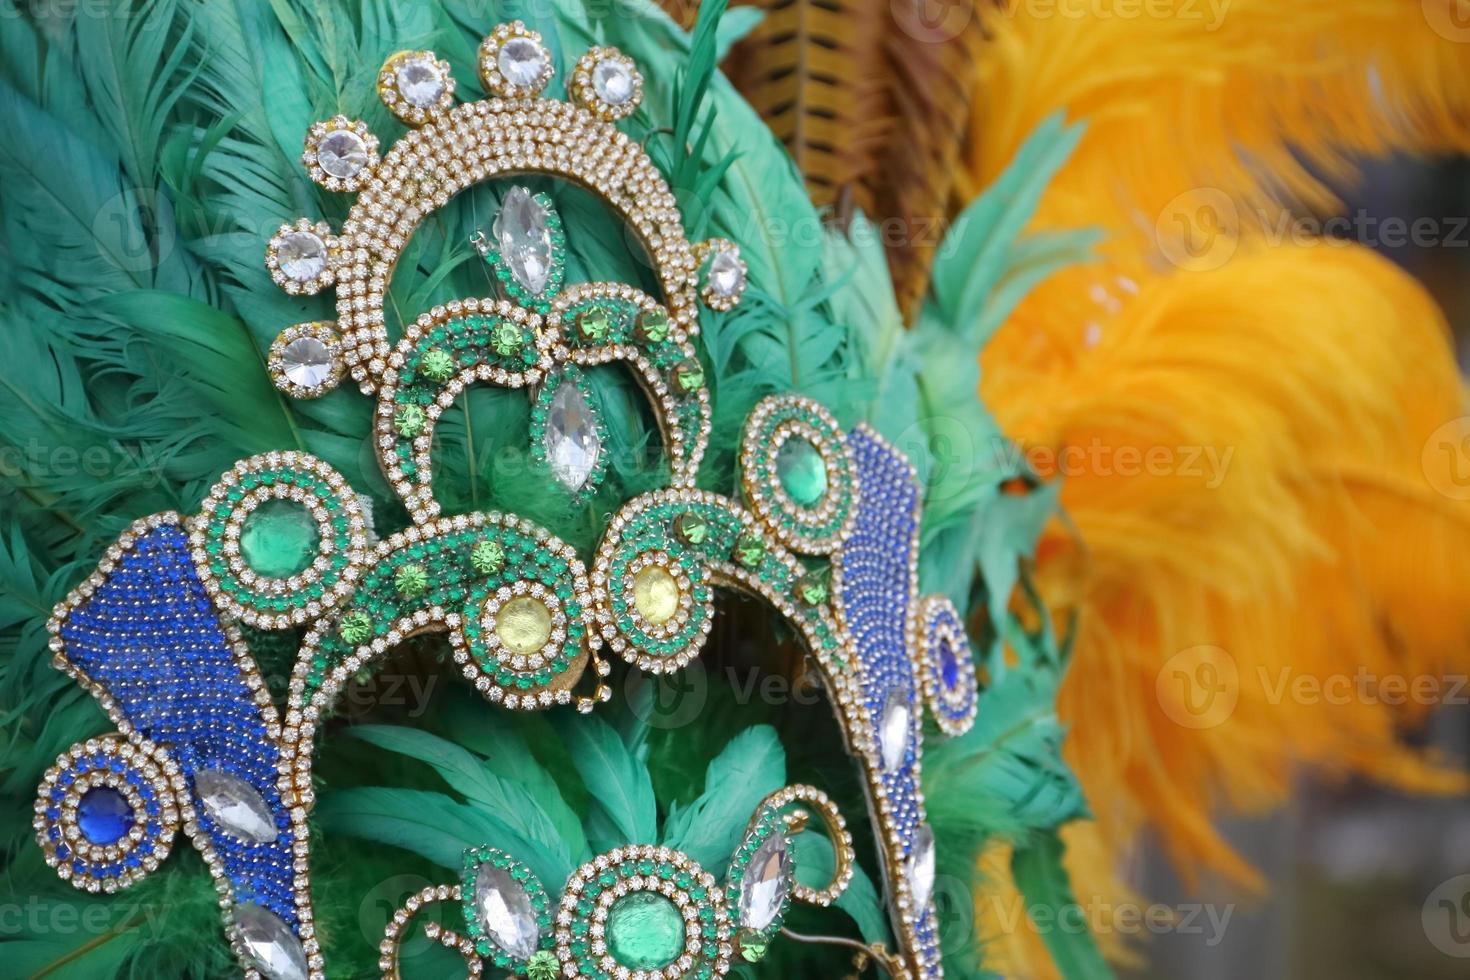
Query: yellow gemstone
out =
(656, 594)
(523, 625)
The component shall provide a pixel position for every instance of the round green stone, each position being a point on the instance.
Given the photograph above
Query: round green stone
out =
(813, 589)
(488, 557)
(506, 339)
(689, 376)
(750, 549)
(802, 472)
(645, 931)
(437, 365)
(409, 421)
(279, 539)
(692, 528)
(543, 966)
(411, 580)
(753, 946)
(653, 326)
(356, 628)
(594, 324)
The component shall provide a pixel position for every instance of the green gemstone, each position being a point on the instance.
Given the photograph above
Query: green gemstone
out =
(506, 339)
(356, 628)
(753, 946)
(692, 528)
(645, 931)
(280, 539)
(543, 966)
(409, 421)
(437, 365)
(813, 588)
(802, 472)
(411, 581)
(653, 326)
(594, 324)
(488, 557)
(750, 549)
(689, 376)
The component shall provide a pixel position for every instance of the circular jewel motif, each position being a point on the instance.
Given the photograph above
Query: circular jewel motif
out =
(951, 689)
(643, 913)
(416, 86)
(305, 360)
(280, 540)
(661, 604)
(607, 83)
(106, 813)
(340, 154)
(798, 474)
(299, 257)
(514, 62)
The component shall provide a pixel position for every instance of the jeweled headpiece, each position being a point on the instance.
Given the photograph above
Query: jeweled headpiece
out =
(824, 528)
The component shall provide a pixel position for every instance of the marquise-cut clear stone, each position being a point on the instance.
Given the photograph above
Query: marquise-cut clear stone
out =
(342, 153)
(270, 944)
(766, 883)
(420, 82)
(235, 806)
(307, 362)
(613, 81)
(920, 869)
(302, 255)
(725, 275)
(571, 441)
(522, 229)
(521, 61)
(894, 728)
(505, 911)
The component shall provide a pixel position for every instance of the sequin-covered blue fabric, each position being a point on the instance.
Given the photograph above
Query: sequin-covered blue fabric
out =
(151, 637)
(878, 599)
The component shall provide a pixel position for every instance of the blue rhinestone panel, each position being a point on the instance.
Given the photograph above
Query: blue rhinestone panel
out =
(879, 599)
(151, 638)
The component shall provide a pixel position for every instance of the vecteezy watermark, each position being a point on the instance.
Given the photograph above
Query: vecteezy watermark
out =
(1446, 917)
(1446, 459)
(676, 700)
(1208, 464)
(36, 460)
(1450, 19)
(1102, 917)
(1200, 229)
(1199, 687)
(932, 21)
(38, 917)
(1210, 14)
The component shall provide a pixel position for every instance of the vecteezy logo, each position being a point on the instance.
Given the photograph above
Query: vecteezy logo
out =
(1198, 688)
(1446, 459)
(1450, 19)
(931, 21)
(1198, 230)
(1446, 917)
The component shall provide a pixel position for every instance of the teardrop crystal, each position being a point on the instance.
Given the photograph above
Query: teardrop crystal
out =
(894, 728)
(766, 884)
(268, 941)
(235, 806)
(523, 232)
(571, 441)
(920, 868)
(505, 911)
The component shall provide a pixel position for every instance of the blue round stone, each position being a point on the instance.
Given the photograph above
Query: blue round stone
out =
(104, 816)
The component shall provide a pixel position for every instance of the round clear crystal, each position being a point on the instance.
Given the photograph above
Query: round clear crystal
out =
(270, 944)
(726, 277)
(522, 61)
(894, 728)
(307, 362)
(302, 255)
(234, 806)
(766, 884)
(342, 153)
(505, 911)
(420, 82)
(612, 80)
(920, 868)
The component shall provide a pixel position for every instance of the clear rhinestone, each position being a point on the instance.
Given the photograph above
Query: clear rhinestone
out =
(766, 884)
(307, 362)
(342, 153)
(270, 944)
(613, 81)
(726, 277)
(505, 911)
(522, 229)
(920, 868)
(420, 82)
(302, 255)
(235, 806)
(894, 728)
(571, 441)
(522, 61)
